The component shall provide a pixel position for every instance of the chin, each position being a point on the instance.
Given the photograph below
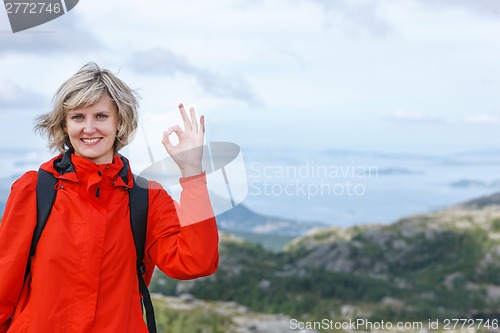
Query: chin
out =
(94, 155)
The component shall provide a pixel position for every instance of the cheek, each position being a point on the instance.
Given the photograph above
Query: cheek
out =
(71, 130)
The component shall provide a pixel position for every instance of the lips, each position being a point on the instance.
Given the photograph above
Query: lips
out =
(91, 141)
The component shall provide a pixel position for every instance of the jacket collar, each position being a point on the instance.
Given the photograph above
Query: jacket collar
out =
(62, 164)
(62, 167)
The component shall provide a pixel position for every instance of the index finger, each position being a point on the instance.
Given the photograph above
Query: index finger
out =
(185, 118)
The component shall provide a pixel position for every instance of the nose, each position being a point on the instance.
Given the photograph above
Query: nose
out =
(89, 127)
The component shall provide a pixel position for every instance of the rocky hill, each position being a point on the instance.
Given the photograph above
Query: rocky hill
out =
(432, 266)
(185, 314)
(486, 201)
(435, 265)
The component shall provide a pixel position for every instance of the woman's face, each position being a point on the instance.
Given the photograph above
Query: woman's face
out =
(92, 130)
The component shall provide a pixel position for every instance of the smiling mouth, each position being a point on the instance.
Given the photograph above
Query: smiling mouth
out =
(91, 141)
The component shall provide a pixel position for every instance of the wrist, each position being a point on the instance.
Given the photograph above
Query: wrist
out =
(189, 171)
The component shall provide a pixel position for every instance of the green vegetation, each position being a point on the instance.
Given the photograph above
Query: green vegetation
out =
(495, 225)
(416, 269)
(274, 243)
(189, 320)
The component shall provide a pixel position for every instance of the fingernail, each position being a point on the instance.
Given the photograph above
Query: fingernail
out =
(180, 105)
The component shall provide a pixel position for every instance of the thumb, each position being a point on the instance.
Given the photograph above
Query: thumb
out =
(166, 141)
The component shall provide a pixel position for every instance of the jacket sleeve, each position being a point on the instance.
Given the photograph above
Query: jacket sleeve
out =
(182, 239)
(16, 231)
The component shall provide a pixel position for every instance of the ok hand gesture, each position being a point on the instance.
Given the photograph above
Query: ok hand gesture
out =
(189, 151)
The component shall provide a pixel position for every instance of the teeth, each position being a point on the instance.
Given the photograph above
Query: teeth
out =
(90, 140)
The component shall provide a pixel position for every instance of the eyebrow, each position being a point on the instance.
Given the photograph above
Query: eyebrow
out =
(97, 112)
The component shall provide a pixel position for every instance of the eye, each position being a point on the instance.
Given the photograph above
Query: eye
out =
(77, 117)
(102, 116)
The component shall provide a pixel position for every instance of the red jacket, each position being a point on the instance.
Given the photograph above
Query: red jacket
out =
(83, 274)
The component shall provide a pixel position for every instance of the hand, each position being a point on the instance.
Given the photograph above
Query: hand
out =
(189, 151)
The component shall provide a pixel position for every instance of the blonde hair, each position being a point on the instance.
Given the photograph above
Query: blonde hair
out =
(83, 89)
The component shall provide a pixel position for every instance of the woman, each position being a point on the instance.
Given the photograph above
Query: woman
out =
(83, 275)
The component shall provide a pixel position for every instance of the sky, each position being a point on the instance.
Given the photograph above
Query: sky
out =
(402, 76)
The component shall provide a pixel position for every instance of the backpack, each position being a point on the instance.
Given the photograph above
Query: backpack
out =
(138, 202)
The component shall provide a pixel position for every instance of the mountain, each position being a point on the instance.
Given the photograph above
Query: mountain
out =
(441, 265)
(482, 202)
(243, 219)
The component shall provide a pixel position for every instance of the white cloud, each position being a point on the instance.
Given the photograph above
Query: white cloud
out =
(487, 7)
(355, 16)
(482, 119)
(12, 96)
(165, 62)
(413, 117)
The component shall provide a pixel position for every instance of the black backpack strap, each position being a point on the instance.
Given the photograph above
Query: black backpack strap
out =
(45, 196)
(138, 202)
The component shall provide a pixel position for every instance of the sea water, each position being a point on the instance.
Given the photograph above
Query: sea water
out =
(342, 187)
